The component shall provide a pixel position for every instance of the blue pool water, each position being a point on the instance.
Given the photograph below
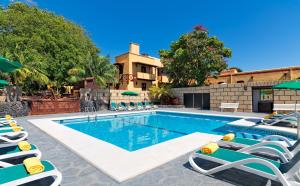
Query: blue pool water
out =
(136, 131)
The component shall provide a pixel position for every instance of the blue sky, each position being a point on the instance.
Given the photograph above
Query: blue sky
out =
(261, 33)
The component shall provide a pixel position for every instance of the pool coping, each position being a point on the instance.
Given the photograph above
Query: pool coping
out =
(119, 163)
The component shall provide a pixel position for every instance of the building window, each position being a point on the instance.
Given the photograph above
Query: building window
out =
(221, 83)
(144, 86)
(240, 82)
(143, 69)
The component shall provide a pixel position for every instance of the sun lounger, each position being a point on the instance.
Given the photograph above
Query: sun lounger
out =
(153, 106)
(18, 175)
(13, 152)
(264, 145)
(140, 106)
(132, 105)
(289, 120)
(281, 172)
(123, 106)
(147, 105)
(11, 136)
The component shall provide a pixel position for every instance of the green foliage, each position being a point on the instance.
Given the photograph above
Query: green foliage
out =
(238, 69)
(53, 50)
(161, 92)
(194, 57)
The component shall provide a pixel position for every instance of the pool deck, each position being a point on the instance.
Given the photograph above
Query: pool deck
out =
(77, 171)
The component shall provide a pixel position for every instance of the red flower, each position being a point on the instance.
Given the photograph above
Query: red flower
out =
(200, 27)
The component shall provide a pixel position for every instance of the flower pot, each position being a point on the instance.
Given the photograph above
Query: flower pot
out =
(174, 101)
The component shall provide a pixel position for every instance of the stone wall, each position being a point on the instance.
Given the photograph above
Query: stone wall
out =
(15, 109)
(116, 95)
(238, 92)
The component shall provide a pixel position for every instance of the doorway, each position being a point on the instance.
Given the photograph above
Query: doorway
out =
(197, 100)
(262, 99)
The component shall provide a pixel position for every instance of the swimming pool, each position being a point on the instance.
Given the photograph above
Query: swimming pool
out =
(136, 131)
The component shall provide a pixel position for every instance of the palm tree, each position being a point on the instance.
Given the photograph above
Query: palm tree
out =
(160, 93)
(102, 70)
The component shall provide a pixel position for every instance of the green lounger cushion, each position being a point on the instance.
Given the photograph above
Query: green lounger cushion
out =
(13, 149)
(8, 130)
(250, 142)
(233, 156)
(16, 172)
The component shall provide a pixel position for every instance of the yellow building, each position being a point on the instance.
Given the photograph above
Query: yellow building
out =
(138, 71)
(233, 76)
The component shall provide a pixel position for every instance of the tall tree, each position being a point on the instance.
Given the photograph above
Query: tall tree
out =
(48, 46)
(194, 57)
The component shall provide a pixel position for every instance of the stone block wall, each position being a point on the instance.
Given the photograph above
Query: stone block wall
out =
(116, 95)
(286, 96)
(238, 92)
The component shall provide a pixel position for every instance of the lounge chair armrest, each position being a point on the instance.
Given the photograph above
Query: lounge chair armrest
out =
(277, 137)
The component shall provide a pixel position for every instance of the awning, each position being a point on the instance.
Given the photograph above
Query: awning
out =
(9, 66)
(291, 85)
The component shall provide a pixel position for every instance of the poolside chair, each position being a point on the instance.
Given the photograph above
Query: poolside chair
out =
(18, 175)
(132, 106)
(6, 122)
(288, 120)
(153, 106)
(14, 152)
(140, 106)
(123, 106)
(113, 106)
(265, 145)
(281, 172)
(11, 136)
(147, 105)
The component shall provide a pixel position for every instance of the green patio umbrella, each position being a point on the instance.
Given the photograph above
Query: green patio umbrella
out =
(292, 85)
(9, 66)
(3, 83)
(129, 93)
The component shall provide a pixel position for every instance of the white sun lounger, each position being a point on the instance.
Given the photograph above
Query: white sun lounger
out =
(13, 137)
(285, 173)
(22, 176)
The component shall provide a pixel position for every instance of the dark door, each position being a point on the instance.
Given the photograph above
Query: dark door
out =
(198, 101)
(188, 100)
(206, 101)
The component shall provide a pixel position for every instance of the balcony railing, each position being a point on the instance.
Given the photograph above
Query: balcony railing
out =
(147, 76)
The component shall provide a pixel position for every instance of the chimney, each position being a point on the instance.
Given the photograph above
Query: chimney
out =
(134, 48)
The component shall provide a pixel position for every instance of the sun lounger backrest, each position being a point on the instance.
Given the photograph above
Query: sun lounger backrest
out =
(286, 167)
(286, 107)
(123, 104)
(295, 145)
(113, 104)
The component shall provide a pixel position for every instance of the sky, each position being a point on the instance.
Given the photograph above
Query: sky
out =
(262, 34)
